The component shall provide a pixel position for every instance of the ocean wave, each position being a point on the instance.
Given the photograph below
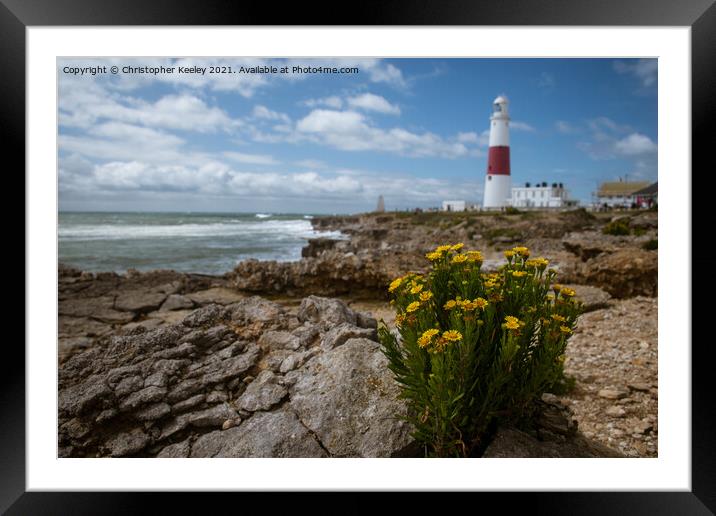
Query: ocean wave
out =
(261, 230)
(263, 215)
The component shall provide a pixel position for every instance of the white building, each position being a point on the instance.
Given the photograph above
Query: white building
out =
(454, 205)
(541, 195)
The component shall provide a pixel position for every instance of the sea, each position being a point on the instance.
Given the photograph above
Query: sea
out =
(207, 243)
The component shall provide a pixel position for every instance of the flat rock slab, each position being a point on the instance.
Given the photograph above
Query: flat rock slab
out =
(139, 301)
(263, 393)
(592, 297)
(513, 443)
(347, 396)
(218, 295)
(265, 434)
(177, 302)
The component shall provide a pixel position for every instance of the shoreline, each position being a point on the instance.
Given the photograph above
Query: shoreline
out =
(101, 313)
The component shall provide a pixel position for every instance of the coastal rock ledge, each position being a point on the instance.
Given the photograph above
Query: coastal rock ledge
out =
(250, 379)
(243, 380)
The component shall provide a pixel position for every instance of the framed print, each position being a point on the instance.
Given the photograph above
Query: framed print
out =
(332, 257)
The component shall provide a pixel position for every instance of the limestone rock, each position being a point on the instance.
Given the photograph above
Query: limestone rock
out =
(279, 340)
(175, 451)
(338, 335)
(263, 393)
(128, 443)
(615, 412)
(266, 434)
(613, 393)
(139, 301)
(511, 442)
(326, 312)
(218, 295)
(593, 298)
(348, 398)
(176, 302)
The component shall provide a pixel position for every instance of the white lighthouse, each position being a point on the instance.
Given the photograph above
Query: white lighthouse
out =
(498, 183)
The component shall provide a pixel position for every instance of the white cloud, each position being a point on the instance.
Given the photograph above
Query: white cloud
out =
(310, 163)
(333, 101)
(470, 137)
(352, 131)
(266, 114)
(371, 102)
(521, 126)
(635, 144)
(119, 141)
(251, 159)
(84, 103)
(645, 70)
(612, 140)
(565, 127)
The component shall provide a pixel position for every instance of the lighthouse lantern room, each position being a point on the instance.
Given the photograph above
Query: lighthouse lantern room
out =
(498, 183)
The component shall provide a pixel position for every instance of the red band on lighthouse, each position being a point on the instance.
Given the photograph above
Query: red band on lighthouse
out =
(498, 160)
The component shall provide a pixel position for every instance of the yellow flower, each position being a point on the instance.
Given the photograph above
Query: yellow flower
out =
(509, 254)
(474, 256)
(539, 263)
(452, 335)
(466, 304)
(565, 329)
(450, 304)
(412, 306)
(399, 319)
(480, 303)
(434, 256)
(558, 318)
(568, 292)
(522, 251)
(443, 248)
(416, 288)
(542, 263)
(457, 247)
(512, 323)
(490, 284)
(556, 287)
(459, 258)
(395, 284)
(427, 337)
(519, 274)
(426, 296)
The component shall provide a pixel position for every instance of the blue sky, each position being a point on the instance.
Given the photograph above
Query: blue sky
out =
(413, 130)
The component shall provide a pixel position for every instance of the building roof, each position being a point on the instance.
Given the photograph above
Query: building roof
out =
(652, 189)
(620, 188)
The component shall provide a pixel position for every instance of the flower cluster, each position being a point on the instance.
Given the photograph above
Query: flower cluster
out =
(471, 343)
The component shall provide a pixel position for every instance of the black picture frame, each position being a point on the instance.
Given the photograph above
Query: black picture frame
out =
(700, 15)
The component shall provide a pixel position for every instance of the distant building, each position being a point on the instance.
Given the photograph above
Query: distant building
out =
(647, 197)
(541, 195)
(381, 205)
(454, 205)
(619, 194)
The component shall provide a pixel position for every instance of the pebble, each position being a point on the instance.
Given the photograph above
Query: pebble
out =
(638, 386)
(612, 394)
(611, 379)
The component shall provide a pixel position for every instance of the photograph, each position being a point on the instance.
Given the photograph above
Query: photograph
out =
(357, 257)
